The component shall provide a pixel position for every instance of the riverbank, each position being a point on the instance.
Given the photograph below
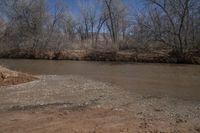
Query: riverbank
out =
(137, 55)
(9, 77)
(76, 104)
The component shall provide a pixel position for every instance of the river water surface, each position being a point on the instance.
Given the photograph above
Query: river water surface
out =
(171, 80)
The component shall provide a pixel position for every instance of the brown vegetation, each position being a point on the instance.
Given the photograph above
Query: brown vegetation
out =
(137, 55)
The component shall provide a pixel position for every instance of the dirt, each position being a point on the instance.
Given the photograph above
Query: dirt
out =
(9, 77)
(86, 120)
(75, 104)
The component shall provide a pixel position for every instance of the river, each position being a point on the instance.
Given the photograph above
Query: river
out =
(170, 80)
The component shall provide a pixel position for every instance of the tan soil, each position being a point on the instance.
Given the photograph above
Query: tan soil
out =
(86, 120)
(9, 77)
(73, 104)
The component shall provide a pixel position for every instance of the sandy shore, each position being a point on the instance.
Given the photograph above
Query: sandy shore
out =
(78, 105)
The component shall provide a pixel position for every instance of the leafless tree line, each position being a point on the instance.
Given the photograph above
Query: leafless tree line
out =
(174, 23)
(35, 25)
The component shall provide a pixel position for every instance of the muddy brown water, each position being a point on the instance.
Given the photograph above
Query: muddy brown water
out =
(157, 80)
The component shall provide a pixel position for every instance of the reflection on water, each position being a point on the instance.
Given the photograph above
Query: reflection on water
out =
(182, 81)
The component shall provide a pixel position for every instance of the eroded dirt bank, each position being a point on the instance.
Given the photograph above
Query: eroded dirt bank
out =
(135, 55)
(78, 105)
(9, 77)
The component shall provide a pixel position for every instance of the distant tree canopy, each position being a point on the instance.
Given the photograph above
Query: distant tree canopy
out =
(35, 25)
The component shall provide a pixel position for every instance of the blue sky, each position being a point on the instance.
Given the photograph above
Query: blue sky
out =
(73, 4)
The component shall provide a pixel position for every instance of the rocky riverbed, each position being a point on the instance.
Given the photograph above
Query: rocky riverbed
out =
(75, 104)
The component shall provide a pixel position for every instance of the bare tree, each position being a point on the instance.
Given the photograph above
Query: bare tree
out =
(114, 10)
(88, 18)
(56, 25)
(25, 19)
(170, 22)
(69, 27)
